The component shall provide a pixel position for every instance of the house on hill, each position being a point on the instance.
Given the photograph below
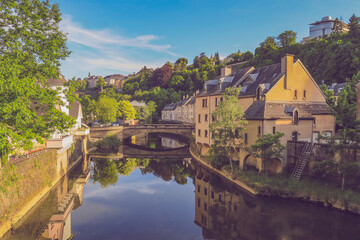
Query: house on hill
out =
(115, 80)
(182, 111)
(281, 97)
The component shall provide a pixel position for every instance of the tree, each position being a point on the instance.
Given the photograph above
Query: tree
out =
(100, 83)
(146, 114)
(126, 110)
(177, 82)
(106, 109)
(337, 27)
(31, 47)
(267, 147)
(180, 64)
(161, 76)
(354, 27)
(229, 124)
(287, 38)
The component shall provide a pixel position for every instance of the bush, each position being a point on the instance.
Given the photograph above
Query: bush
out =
(218, 157)
(108, 145)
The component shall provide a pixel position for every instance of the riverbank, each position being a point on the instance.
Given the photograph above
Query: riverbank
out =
(35, 180)
(281, 186)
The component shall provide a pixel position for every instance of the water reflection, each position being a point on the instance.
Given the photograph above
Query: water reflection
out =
(226, 212)
(158, 141)
(50, 218)
(161, 198)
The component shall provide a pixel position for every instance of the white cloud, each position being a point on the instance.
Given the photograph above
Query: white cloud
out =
(104, 51)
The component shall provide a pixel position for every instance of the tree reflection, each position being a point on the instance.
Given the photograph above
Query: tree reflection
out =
(105, 172)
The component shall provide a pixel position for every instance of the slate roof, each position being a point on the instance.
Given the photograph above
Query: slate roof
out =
(248, 78)
(173, 106)
(274, 110)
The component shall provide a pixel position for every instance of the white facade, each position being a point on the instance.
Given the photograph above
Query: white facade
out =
(183, 111)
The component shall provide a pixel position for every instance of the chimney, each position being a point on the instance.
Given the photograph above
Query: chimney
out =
(225, 71)
(287, 63)
(187, 96)
(205, 87)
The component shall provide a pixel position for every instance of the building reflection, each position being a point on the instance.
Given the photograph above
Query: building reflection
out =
(224, 211)
(59, 226)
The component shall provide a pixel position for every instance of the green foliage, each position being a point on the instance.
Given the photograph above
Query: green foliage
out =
(106, 109)
(229, 125)
(267, 147)
(108, 145)
(287, 38)
(146, 114)
(218, 157)
(30, 52)
(100, 83)
(126, 166)
(126, 110)
(105, 172)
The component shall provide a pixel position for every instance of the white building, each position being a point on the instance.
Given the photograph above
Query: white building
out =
(183, 111)
(323, 28)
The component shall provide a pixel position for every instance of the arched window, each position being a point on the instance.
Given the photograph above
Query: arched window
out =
(296, 117)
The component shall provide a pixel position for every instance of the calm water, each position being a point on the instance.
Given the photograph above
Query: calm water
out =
(175, 198)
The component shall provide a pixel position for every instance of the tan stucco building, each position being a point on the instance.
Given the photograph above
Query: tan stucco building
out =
(281, 97)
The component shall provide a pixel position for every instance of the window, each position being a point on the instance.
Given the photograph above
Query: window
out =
(274, 130)
(206, 133)
(258, 92)
(221, 99)
(259, 131)
(199, 202)
(216, 102)
(314, 121)
(220, 198)
(205, 206)
(304, 96)
(199, 188)
(212, 195)
(296, 117)
(199, 132)
(246, 138)
(199, 118)
(213, 118)
(294, 136)
(295, 94)
(206, 117)
(236, 133)
(204, 102)
(205, 191)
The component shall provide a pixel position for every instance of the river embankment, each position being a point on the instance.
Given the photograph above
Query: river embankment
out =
(282, 187)
(26, 182)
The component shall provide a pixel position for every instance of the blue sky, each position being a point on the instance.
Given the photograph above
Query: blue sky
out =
(121, 36)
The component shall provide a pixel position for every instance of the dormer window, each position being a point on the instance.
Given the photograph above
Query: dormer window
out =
(258, 93)
(296, 117)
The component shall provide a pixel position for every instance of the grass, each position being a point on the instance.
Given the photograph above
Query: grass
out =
(281, 185)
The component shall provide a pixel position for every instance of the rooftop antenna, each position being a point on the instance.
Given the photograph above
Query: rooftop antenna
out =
(341, 18)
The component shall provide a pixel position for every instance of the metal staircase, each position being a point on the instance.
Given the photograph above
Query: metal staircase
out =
(303, 159)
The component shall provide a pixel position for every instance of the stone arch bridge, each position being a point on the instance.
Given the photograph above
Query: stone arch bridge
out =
(123, 132)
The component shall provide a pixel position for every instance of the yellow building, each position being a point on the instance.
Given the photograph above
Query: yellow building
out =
(281, 97)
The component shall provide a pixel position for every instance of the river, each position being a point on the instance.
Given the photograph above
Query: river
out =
(170, 197)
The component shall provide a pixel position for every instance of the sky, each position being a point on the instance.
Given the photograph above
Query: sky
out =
(121, 36)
